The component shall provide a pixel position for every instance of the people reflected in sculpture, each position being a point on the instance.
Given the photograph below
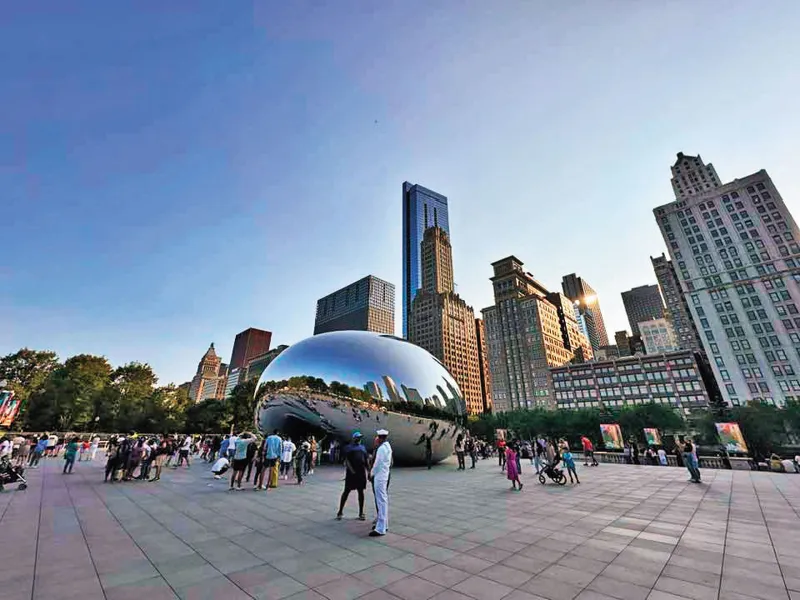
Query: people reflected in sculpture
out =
(336, 382)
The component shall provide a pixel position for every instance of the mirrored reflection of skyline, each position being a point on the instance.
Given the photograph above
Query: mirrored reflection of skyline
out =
(359, 360)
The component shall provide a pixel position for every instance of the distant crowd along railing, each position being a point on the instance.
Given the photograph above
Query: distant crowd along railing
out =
(706, 462)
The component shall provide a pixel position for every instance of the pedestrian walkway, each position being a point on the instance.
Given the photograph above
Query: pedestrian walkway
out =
(625, 532)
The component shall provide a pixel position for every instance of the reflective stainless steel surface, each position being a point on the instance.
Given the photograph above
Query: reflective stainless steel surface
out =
(344, 381)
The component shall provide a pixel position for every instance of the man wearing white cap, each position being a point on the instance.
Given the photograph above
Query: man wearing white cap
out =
(379, 474)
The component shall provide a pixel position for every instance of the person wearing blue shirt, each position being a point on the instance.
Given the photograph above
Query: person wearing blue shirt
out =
(36, 455)
(272, 453)
(223, 448)
(239, 459)
(274, 445)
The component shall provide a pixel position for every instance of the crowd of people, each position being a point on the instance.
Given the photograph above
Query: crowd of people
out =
(28, 450)
(274, 458)
(268, 460)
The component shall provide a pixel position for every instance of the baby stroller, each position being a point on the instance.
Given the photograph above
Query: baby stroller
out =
(555, 474)
(11, 474)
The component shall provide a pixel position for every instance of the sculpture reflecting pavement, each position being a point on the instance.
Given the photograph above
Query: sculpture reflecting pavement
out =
(336, 383)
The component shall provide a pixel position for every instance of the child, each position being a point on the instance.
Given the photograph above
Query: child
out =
(511, 468)
(300, 461)
(569, 462)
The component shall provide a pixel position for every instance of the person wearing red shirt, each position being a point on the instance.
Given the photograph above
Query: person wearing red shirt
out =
(588, 451)
(501, 452)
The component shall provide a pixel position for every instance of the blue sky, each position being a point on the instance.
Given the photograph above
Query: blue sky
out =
(171, 176)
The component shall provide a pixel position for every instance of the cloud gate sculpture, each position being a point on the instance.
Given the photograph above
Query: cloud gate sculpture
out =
(336, 383)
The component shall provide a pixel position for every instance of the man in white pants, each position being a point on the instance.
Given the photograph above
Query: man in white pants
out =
(379, 474)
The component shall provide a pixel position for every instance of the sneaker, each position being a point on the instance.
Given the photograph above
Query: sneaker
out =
(339, 517)
(374, 533)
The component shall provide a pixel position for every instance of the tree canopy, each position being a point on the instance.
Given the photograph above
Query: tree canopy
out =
(86, 393)
(765, 427)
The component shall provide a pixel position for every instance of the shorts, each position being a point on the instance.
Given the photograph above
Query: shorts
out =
(270, 462)
(240, 464)
(355, 483)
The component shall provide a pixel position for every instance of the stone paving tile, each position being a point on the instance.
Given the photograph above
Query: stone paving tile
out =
(414, 588)
(627, 532)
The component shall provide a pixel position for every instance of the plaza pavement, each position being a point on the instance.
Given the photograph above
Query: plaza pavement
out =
(626, 532)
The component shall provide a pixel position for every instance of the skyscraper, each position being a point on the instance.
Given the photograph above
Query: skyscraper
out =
(422, 208)
(587, 303)
(366, 305)
(258, 364)
(526, 333)
(442, 323)
(642, 304)
(735, 247)
(205, 383)
(483, 361)
(677, 311)
(691, 176)
(249, 343)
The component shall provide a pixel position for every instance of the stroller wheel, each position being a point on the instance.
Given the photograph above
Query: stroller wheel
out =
(562, 479)
(542, 479)
(23, 486)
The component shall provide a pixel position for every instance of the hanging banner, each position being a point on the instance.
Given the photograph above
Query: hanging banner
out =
(652, 436)
(731, 437)
(612, 436)
(9, 407)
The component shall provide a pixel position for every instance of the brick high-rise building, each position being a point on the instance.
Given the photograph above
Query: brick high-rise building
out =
(736, 252)
(366, 305)
(483, 361)
(588, 305)
(526, 334)
(249, 343)
(442, 323)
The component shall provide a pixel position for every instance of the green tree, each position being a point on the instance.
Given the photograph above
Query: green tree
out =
(762, 426)
(634, 419)
(70, 395)
(242, 405)
(791, 416)
(26, 372)
(132, 387)
(210, 416)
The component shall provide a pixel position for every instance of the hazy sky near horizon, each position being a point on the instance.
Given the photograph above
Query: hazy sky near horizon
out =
(176, 172)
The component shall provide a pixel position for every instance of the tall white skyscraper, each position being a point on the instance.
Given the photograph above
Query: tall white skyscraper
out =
(735, 250)
(691, 176)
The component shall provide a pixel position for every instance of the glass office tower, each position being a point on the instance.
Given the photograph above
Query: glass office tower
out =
(422, 208)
